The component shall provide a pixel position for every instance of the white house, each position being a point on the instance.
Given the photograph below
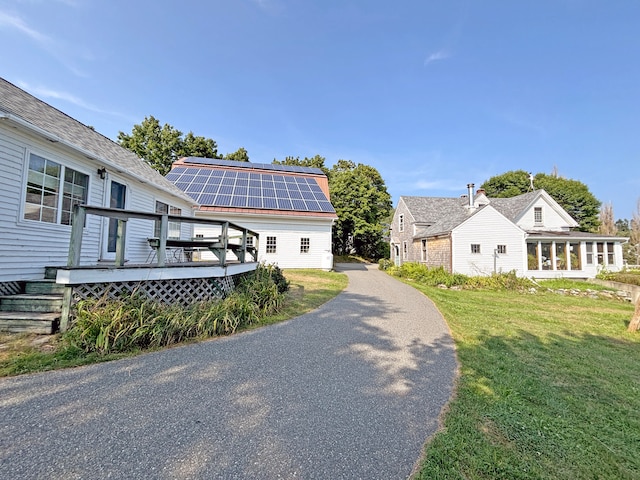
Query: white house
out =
(288, 206)
(49, 163)
(476, 235)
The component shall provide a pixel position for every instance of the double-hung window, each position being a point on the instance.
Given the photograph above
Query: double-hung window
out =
(53, 190)
(537, 215)
(304, 245)
(271, 244)
(173, 227)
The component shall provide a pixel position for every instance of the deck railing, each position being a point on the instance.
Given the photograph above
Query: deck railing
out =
(219, 246)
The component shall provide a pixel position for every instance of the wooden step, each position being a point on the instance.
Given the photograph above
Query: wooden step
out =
(41, 323)
(43, 287)
(31, 303)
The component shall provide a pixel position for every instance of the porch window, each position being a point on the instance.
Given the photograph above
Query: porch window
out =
(173, 228)
(304, 245)
(545, 252)
(532, 256)
(271, 244)
(401, 222)
(589, 247)
(475, 248)
(537, 215)
(574, 254)
(53, 190)
(423, 250)
(610, 254)
(561, 256)
(600, 250)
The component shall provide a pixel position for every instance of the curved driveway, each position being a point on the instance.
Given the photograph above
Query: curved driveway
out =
(351, 390)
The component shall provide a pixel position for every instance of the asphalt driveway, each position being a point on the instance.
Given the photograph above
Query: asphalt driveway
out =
(351, 390)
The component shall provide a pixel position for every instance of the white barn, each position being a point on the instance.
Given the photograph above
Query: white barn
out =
(288, 206)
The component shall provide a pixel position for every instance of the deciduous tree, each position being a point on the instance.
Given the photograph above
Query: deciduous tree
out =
(361, 200)
(160, 146)
(572, 195)
(240, 155)
(316, 161)
(607, 224)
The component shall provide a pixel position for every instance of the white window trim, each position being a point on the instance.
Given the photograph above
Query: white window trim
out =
(401, 222)
(56, 227)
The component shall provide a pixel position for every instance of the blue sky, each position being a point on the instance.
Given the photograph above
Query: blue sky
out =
(434, 94)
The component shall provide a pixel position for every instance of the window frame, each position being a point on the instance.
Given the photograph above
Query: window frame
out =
(305, 245)
(501, 249)
(538, 218)
(401, 222)
(423, 250)
(405, 250)
(271, 245)
(475, 249)
(64, 199)
(172, 227)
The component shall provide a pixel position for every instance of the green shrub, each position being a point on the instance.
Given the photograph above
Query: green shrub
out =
(135, 322)
(427, 276)
(500, 281)
(384, 264)
(630, 276)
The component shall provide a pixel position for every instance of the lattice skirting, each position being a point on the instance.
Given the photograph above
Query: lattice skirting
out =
(183, 291)
(11, 288)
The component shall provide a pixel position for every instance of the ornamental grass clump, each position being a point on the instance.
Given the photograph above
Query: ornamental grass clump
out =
(135, 322)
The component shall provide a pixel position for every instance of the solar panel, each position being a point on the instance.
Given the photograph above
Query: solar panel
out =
(231, 188)
(248, 165)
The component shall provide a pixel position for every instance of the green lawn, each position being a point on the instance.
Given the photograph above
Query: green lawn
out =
(549, 389)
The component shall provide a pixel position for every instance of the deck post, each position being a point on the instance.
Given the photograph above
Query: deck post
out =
(162, 240)
(225, 243)
(67, 297)
(75, 243)
(121, 237)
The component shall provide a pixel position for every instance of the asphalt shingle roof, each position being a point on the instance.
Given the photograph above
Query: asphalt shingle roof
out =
(438, 215)
(15, 101)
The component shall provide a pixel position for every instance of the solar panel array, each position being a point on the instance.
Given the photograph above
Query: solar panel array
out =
(262, 166)
(232, 188)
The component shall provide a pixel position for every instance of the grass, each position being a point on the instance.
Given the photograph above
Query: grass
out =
(549, 388)
(27, 353)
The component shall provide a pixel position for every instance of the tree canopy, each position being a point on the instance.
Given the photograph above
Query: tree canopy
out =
(361, 200)
(160, 146)
(572, 195)
(240, 155)
(316, 161)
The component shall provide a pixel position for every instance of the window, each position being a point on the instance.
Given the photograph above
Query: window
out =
(401, 222)
(537, 214)
(52, 191)
(610, 255)
(304, 245)
(532, 256)
(423, 250)
(475, 248)
(249, 241)
(271, 244)
(574, 254)
(173, 228)
(589, 250)
(501, 249)
(404, 250)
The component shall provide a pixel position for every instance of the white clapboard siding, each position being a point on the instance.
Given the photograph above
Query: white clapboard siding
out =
(288, 231)
(27, 247)
(552, 220)
(488, 228)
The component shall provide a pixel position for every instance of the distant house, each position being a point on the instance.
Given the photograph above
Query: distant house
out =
(476, 235)
(288, 206)
(49, 163)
